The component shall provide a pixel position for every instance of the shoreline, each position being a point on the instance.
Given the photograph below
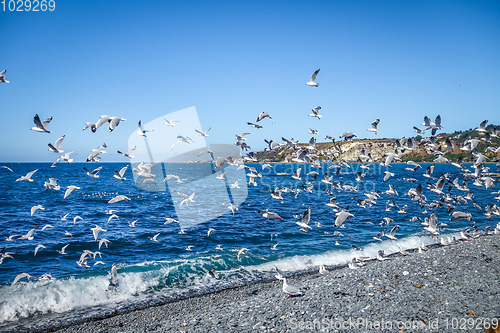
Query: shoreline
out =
(446, 285)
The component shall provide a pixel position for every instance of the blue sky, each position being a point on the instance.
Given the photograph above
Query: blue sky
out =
(393, 60)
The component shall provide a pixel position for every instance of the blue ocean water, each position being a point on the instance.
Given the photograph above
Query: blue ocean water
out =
(151, 272)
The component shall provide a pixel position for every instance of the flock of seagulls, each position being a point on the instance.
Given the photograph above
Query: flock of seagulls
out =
(441, 185)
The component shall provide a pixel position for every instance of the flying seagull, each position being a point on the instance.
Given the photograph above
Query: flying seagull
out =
(56, 147)
(374, 126)
(204, 134)
(119, 174)
(263, 115)
(27, 177)
(41, 126)
(129, 153)
(141, 131)
(315, 112)
(113, 281)
(2, 77)
(312, 82)
(170, 122)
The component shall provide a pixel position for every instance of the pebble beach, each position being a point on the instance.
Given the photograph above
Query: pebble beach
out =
(444, 289)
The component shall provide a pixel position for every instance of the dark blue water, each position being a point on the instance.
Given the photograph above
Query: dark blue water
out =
(151, 272)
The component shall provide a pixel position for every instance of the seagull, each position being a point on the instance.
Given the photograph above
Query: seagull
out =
(242, 251)
(182, 232)
(313, 131)
(306, 217)
(374, 126)
(433, 226)
(119, 174)
(235, 185)
(418, 130)
(52, 184)
(132, 224)
(118, 198)
(10, 238)
(70, 189)
(322, 270)
(263, 115)
(210, 230)
(103, 241)
(377, 237)
(90, 125)
(269, 215)
(20, 276)
(273, 247)
(170, 122)
(76, 218)
(204, 134)
(257, 126)
(347, 135)
(95, 173)
(46, 277)
(96, 231)
(113, 122)
(27, 177)
(56, 147)
(211, 273)
(67, 233)
(279, 274)
(41, 126)
(312, 82)
(38, 247)
(187, 140)
(290, 290)
(94, 155)
(341, 217)
(142, 132)
(113, 216)
(6, 167)
(47, 226)
(2, 77)
(381, 255)
(219, 247)
(65, 157)
(296, 174)
(35, 208)
(63, 250)
(391, 236)
(154, 238)
(170, 220)
(129, 153)
(113, 281)
(388, 175)
(233, 207)
(315, 113)
(188, 199)
(189, 248)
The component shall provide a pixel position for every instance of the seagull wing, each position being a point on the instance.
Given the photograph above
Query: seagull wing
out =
(313, 76)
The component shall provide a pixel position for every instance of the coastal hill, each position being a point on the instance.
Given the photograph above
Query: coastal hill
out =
(350, 150)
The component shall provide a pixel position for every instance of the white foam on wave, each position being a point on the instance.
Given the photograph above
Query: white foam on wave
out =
(26, 299)
(343, 257)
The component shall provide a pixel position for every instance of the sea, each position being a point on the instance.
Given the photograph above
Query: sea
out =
(153, 272)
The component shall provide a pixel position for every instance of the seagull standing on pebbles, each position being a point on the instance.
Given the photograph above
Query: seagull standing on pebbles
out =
(290, 290)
